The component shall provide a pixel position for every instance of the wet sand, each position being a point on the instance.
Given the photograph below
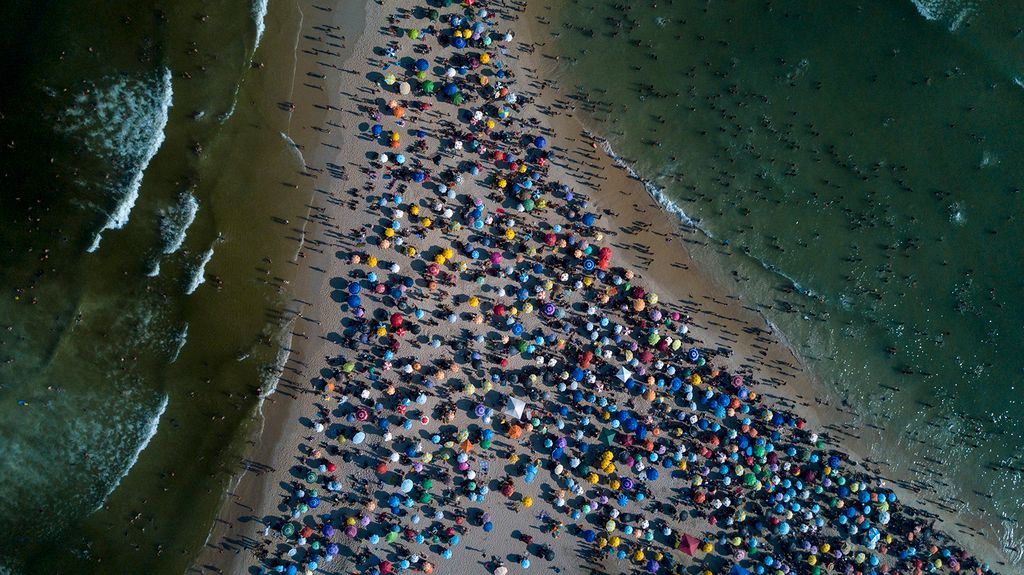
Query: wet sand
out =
(646, 239)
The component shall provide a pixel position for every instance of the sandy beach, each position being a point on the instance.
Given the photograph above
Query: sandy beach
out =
(348, 371)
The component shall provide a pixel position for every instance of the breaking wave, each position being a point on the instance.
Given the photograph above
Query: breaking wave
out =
(174, 222)
(259, 14)
(198, 273)
(123, 125)
(952, 13)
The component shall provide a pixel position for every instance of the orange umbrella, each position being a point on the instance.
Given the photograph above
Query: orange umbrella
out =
(466, 446)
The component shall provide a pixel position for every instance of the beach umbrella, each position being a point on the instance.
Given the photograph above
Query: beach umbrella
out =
(689, 544)
(422, 65)
(404, 88)
(358, 438)
(501, 570)
(623, 374)
(514, 407)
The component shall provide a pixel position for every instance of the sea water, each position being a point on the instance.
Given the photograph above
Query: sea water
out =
(855, 171)
(140, 182)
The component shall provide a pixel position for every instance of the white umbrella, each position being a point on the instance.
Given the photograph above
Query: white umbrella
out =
(624, 374)
(515, 407)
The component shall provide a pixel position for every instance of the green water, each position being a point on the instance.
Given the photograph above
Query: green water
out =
(855, 167)
(162, 334)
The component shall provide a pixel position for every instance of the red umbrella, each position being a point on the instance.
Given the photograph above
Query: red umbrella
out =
(396, 320)
(385, 566)
(689, 544)
(331, 467)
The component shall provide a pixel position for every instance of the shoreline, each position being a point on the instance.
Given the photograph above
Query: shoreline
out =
(720, 320)
(841, 422)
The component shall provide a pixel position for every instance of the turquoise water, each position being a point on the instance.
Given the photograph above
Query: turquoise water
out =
(854, 167)
(143, 162)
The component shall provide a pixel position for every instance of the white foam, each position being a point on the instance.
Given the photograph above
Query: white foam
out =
(295, 148)
(259, 14)
(179, 343)
(657, 193)
(953, 13)
(269, 384)
(199, 272)
(123, 124)
(175, 222)
(155, 270)
(151, 427)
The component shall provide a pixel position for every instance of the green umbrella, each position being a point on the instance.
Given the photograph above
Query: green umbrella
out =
(428, 87)
(457, 99)
(607, 437)
(288, 530)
